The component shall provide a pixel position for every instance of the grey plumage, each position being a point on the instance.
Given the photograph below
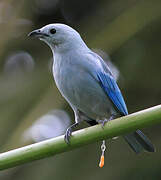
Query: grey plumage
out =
(86, 82)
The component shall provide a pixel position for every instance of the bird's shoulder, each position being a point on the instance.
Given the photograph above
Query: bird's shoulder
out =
(102, 64)
(94, 64)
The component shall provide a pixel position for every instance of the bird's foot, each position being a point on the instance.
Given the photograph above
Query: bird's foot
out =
(68, 132)
(68, 135)
(102, 122)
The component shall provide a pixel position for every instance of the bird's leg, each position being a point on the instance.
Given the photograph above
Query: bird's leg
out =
(106, 120)
(78, 119)
(69, 132)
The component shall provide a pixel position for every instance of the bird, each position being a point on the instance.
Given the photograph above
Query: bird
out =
(86, 82)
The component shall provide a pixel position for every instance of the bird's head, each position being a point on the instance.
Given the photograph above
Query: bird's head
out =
(58, 35)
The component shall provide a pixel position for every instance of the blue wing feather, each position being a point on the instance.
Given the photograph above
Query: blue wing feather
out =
(111, 88)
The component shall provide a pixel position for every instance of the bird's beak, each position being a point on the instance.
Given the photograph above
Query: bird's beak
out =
(38, 33)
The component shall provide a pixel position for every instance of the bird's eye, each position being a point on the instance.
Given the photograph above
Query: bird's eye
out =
(52, 31)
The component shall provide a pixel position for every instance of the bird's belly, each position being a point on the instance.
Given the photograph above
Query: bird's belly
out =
(84, 92)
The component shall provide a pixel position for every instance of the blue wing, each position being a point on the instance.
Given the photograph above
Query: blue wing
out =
(111, 88)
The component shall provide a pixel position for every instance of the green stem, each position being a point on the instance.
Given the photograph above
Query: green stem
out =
(80, 138)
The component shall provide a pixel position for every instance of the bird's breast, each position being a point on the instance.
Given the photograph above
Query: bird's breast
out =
(67, 76)
(81, 90)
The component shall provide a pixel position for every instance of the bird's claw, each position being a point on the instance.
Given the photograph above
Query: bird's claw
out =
(68, 132)
(67, 136)
(103, 122)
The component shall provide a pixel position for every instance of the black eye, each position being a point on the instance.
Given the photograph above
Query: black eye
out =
(52, 31)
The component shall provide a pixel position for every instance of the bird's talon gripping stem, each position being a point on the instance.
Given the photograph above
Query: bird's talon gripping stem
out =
(103, 122)
(68, 133)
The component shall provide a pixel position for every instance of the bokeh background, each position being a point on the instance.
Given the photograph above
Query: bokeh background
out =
(31, 109)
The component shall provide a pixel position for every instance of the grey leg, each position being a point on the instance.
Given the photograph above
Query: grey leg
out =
(69, 132)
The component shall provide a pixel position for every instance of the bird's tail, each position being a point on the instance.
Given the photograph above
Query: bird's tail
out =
(139, 142)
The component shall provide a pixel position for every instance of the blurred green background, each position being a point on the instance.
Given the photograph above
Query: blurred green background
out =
(32, 109)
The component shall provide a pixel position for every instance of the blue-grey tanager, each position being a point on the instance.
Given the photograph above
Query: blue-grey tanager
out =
(86, 82)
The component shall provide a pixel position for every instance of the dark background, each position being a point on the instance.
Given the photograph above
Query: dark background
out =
(129, 31)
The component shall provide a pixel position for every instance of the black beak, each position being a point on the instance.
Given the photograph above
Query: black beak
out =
(37, 33)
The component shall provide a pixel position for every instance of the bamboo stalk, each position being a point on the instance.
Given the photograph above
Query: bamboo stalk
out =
(80, 138)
